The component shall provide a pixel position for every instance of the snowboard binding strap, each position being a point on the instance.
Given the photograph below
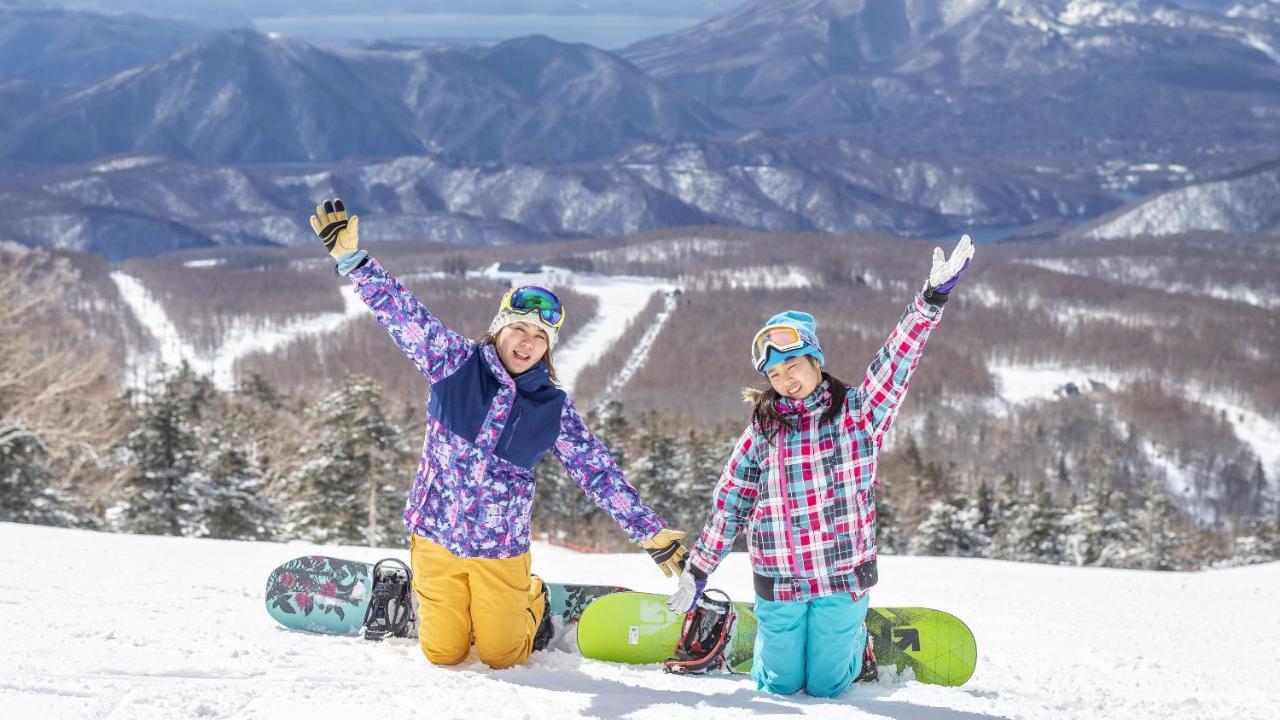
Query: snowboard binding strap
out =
(704, 636)
(390, 612)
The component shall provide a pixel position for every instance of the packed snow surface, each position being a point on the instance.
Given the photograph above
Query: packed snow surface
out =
(122, 627)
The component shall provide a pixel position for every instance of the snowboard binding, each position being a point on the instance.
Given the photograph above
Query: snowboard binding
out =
(391, 605)
(704, 636)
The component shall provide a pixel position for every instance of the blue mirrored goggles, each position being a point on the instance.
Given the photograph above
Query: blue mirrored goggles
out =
(532, 298)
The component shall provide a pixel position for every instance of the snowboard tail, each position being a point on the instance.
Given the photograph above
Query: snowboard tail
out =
(329, 596)
(637, 628)
(319, 594)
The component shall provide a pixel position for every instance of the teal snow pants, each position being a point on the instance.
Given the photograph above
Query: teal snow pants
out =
(816, 645)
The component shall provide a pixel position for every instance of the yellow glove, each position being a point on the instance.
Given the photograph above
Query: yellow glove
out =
(665, 549)
(330, 222)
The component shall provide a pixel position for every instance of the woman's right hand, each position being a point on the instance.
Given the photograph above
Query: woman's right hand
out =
(946, 271)
(692, 584)
(340, 235)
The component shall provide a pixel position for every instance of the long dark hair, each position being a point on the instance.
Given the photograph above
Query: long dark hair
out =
(490, 339)
(764, 411)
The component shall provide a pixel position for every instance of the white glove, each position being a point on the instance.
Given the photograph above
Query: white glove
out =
(688, 592)
(946, 272)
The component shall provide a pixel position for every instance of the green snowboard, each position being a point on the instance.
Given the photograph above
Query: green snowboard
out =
(637, 628)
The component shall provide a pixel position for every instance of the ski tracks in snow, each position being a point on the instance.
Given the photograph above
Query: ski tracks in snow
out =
(641, 352)
(237, 343)
(620, 300)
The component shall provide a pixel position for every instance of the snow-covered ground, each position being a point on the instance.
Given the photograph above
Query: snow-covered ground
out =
(1018, 383)
(620, 298)
(123, 627)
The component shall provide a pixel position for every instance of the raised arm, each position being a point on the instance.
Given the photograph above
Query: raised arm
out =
(875, 402)
(421, 336)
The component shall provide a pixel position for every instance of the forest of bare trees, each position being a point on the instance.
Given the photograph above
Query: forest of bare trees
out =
(1144, 467)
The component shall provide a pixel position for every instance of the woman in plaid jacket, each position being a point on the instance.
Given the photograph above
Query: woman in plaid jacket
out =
(800, 480)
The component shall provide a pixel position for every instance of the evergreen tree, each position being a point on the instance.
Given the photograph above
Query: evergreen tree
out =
(988, 512)
(352, 476)
(1032, 530)
(890, 538)
(923, 484)
(654, 471)
(1259, 486)
(1008, 502)
(25, 492)
(951, 530)
(1099, 530)
(611, 427)
(160, 455)
(701, 463)
(260, 389)
(1161, 539)
(1260, 545)
(231, 502)
(556, 500)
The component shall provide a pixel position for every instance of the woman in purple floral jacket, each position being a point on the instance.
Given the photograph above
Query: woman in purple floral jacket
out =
(800, 481)
(494, 411)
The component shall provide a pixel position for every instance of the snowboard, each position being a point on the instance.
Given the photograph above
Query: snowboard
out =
(637, 628)
(329, 596)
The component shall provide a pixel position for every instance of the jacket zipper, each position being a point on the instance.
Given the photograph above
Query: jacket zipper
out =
(515, 423)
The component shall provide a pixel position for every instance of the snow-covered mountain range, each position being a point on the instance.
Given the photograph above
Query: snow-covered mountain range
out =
(1042, 79)
(1244, 203)
(238, 96)
(912, 117)
(129, 206)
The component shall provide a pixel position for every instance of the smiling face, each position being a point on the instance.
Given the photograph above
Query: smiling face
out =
(520, 346)
(796, 377)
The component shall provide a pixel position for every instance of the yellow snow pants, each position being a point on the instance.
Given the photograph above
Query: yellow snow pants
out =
(496, 603)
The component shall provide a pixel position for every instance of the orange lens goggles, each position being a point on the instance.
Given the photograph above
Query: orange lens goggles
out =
(778, 337)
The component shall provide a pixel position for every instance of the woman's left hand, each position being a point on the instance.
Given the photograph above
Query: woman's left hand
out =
(339, 234)
(946, 272)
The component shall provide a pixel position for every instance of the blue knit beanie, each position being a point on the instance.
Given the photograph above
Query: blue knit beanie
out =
(808, 329)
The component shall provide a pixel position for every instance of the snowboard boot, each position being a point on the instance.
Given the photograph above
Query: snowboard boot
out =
(542, 637)
(391, 603)
(870, 670)
(704, 636)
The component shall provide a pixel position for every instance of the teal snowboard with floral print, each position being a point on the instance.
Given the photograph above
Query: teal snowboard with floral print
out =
(329, 596)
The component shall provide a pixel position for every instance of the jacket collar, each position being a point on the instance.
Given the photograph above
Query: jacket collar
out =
(815, 402)
(529, 381)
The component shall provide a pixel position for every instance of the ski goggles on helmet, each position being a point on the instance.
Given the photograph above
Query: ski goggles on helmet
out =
(782, 338)
(531, 298)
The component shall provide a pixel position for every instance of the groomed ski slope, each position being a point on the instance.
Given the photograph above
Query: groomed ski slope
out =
(115, 626)
(622, 299)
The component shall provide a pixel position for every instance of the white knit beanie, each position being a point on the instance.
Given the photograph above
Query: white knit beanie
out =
(507, 316)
